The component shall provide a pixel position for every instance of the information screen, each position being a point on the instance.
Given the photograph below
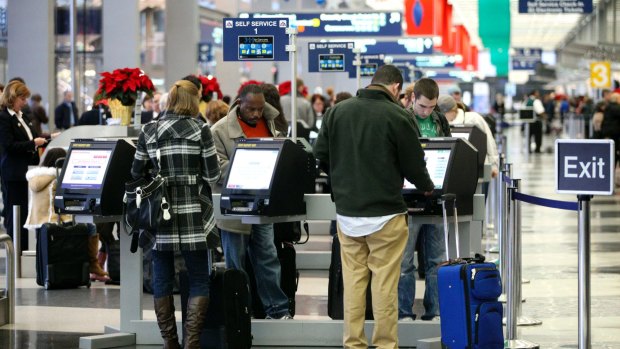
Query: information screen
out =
(255, 47)
(86, 169)
(368, 69)
(463, 135)
(526, 114)
(252, 169)
(331, 62)
(437, 166)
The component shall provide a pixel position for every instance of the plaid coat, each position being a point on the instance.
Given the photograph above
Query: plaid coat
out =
(189, 164)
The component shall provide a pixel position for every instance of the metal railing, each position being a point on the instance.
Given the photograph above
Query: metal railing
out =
(5, 239)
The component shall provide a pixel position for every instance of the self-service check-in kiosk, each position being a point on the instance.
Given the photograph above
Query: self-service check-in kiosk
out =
(267, 177)
(475, 136)
(92, 181)
(449, 164)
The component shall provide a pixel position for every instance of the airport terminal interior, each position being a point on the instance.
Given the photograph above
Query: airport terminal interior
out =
(489, 54)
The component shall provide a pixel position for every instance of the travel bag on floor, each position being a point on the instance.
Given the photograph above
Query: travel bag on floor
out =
(335, 288)
(62, 256)
(471, 316)
(228, 323)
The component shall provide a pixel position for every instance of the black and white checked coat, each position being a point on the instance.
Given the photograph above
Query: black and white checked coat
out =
(189, 164)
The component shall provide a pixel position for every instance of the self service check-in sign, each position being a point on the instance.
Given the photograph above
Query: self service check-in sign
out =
(584, 166)
(257, 39)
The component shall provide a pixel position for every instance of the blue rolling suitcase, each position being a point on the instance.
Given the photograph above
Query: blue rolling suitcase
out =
(471, 316)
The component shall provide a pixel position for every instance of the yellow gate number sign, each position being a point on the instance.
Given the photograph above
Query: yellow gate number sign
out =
(600, 74)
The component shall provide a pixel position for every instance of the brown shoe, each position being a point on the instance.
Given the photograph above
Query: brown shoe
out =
(196, 312)
(164, 309)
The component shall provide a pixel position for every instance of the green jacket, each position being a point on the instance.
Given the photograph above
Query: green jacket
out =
(368, 144)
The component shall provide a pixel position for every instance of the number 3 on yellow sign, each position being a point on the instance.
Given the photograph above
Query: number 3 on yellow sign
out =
(600, 74)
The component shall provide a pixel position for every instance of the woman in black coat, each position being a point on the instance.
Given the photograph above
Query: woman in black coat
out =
(19, 144)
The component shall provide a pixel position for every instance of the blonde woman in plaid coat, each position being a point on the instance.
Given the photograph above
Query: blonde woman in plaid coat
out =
(189, 164)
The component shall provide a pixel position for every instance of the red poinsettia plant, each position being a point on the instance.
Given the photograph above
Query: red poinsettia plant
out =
(249, 82)
(124, 85)
(210, 86)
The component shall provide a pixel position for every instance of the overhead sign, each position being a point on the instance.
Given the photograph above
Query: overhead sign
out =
(584, 166)
(370, 64)
(409, 46)
(600, 74)
(330, 57)
(205, 52)
(526, 58)
(436, 61)
(340, 24)
(555, 6)
(262, 39)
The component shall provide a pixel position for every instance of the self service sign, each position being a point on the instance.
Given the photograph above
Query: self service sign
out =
(584, 166)
(263, 39)
(330, 57)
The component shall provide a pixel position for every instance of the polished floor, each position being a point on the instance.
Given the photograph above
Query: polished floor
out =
(56, 319)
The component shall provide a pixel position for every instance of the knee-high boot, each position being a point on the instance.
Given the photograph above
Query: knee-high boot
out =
(96, 272)
(164, 309)
(196, 312)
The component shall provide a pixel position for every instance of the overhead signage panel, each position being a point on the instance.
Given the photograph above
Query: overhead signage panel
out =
(263, 39)
(417, 46)
(526, 58)
(340, 24)
(330, 57)
(555, 6)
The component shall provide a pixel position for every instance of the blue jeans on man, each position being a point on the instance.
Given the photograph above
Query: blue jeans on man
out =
(261, 249)
(434, 253)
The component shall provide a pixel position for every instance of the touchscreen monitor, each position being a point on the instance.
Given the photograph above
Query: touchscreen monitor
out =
(331, 62)
(86, 169)
(464, 135)
(437, 166)
(252, 169)
(368, 69)
(256, 47)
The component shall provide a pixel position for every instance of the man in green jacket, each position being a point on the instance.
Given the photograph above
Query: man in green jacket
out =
(367, 144)
(429, 123)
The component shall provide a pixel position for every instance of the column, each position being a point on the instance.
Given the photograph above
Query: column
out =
(182, 36)
(31, 56)
(121, 34)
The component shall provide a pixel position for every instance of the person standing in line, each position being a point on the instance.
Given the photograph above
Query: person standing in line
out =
(39, 116)
(371, 136)
(536, 127)
(189, 164)
(251, 117)
(428, 122)
(66, 114)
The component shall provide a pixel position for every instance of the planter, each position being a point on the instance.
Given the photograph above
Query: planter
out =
(120, 111)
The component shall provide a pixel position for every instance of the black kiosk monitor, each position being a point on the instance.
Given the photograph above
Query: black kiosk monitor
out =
(527, 114)
(475, 136)
(92, 181)
(266, 177)
(448, 162)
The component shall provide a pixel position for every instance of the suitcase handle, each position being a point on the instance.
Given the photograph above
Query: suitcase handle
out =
(446, 228)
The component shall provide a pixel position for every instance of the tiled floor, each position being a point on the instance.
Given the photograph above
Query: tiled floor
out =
(56, 319)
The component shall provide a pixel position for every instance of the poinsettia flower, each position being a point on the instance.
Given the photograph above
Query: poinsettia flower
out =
(124, 85)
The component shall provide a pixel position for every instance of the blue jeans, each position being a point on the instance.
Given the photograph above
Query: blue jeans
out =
(434, 253)
(197, 263)
(264, 258)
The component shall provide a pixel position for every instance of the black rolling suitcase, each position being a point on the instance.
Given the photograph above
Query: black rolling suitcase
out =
(62, 256)
(335, 289)
(228, 323)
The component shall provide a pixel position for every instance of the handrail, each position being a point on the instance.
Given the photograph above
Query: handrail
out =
(10, 274)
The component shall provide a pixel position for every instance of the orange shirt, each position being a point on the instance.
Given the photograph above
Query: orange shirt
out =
(258, 131)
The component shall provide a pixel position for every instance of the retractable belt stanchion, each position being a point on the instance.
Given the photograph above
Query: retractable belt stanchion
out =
(503, 214)
(495, 200)
(10, 278)
(527, 141)
(292, 48)
(513, 287)
(17, 240)
(516, 249)
(584, 271)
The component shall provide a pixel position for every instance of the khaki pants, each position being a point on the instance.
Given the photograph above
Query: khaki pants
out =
(379, 253)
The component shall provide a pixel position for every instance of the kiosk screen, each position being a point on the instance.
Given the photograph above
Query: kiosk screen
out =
(526, 114)
(437, 166)
(463, 135)
(86, 169)
(255, 47)
(368, 69)
(332, 62)
(252, 169)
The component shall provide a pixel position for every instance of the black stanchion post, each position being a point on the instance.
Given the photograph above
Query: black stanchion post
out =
(584, 271)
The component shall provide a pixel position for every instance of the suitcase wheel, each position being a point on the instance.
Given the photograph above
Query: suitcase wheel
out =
(47, 285)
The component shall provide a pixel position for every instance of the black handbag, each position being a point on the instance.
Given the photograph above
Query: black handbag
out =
(147, 206)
